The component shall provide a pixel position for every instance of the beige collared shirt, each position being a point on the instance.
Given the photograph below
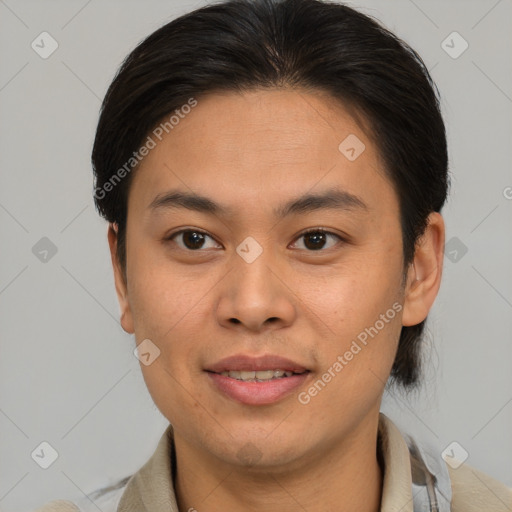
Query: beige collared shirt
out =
(151, 488)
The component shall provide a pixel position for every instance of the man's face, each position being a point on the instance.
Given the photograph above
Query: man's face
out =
(253, 285)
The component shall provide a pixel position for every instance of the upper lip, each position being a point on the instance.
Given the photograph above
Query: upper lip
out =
(247, 363)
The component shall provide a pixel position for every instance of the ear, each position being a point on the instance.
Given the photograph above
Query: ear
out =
(424, 273)
(121, 285)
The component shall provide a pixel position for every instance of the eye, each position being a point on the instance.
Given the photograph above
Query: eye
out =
(315, 239)
(191, 239)
(195, 239)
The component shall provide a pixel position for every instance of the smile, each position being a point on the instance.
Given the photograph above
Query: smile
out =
(258, 376)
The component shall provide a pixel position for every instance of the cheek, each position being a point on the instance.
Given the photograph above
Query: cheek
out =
(170, 313)
(362, 309)
(162, 296)
(353, 295)
(170, 306)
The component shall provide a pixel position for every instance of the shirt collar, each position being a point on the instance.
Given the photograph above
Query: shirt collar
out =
(151, 489)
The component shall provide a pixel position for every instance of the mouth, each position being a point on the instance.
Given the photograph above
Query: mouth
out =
(244, 364)
(260, 375)
(256, 380)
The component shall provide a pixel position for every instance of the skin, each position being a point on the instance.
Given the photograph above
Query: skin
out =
(252, 152)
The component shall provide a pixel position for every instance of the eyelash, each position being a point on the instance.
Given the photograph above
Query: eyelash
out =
(171, 237)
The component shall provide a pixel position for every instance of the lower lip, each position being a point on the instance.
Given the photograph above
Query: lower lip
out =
(257, 393)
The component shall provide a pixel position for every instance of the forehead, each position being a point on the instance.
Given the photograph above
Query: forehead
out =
(259, 146)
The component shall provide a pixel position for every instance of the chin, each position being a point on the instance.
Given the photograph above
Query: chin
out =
(258, 452)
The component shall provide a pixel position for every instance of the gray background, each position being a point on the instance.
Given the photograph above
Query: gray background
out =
(67, 372)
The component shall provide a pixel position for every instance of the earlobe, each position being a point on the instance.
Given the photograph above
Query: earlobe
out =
(120, 283)
(424, 273)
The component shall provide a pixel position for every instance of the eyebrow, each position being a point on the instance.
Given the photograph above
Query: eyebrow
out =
(335, 199)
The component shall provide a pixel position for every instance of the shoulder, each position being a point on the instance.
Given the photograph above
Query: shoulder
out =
(457, 488)
(58, 506)
(106, 500)
(475, 491)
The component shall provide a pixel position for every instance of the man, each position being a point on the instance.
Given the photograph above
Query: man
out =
(273, 174)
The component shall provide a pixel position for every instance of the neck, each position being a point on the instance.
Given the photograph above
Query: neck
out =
(344, 476)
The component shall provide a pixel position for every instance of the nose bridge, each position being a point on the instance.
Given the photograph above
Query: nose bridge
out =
(254, 292)
(254, 264)
(252, 249)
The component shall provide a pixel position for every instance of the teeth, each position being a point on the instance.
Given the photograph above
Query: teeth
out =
(265, 375)
(261, 375)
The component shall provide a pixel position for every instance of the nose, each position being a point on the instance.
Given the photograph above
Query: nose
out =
(256, 296)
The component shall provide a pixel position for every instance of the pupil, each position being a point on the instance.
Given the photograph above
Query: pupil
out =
(319, 240)
(194, 239)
